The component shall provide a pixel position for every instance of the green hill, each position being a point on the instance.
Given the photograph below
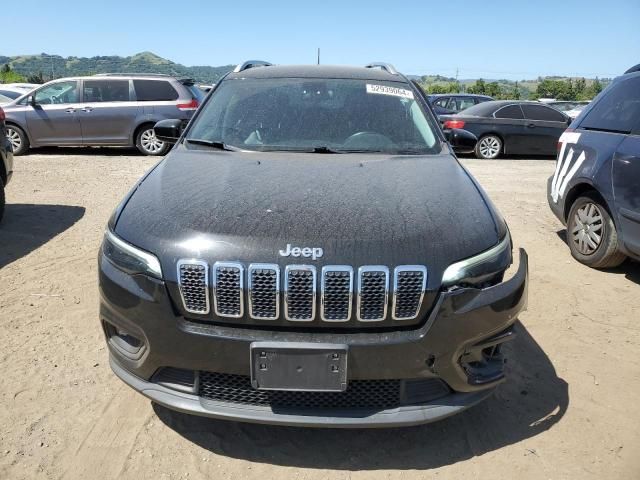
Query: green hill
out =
(55, 66)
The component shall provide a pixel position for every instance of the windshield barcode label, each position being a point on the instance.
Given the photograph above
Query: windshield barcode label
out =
(393, 91)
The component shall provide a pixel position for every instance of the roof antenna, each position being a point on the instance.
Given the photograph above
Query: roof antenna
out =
(318, 55)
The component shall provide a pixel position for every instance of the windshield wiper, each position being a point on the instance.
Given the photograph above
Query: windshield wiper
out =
(213, 144)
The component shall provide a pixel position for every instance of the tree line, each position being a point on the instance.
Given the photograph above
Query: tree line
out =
(560, 89)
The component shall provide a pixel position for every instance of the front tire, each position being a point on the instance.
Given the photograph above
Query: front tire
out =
(592, 235)
(18, 140)
(148, 144)
(489, 147)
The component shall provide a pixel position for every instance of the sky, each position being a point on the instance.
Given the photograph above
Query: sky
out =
(516, 39)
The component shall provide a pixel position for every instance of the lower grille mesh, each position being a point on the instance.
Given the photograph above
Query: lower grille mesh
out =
(363, 394)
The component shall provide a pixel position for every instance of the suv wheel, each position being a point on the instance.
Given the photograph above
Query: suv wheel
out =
(489, 147)
(18, 140)
(148, 144)
(592, 235)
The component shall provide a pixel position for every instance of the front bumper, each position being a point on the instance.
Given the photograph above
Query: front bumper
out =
(450, 345)
(556, 207)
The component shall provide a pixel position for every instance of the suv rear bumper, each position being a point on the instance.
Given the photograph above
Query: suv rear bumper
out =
(457, 345)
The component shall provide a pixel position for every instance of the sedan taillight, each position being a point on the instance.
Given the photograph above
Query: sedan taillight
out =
(2, 115)
(454, 124)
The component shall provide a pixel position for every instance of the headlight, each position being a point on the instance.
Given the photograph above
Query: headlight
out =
(129, 258)
(485, 267)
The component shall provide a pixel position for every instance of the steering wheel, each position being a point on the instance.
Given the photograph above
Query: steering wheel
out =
(367, 140)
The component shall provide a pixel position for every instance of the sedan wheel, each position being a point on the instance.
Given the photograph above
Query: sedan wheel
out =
(489, 147)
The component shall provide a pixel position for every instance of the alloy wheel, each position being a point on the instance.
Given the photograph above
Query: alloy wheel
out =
(588, 228)
(14, 139)
(150, 142)
(489, 147)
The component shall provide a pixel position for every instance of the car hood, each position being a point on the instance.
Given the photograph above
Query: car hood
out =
(360, 209)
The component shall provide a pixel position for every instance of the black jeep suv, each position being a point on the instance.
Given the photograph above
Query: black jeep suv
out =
(310, 252)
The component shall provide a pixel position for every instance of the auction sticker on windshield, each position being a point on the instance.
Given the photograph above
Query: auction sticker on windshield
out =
(393, 91)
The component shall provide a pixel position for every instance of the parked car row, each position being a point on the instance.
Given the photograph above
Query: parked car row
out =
(101, 110)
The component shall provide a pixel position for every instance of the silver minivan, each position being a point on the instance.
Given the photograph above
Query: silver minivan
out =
(101, 110)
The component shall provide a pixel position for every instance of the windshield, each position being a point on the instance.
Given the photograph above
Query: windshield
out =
(323, 115)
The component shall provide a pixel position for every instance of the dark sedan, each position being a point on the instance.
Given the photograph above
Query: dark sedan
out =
(511, 127)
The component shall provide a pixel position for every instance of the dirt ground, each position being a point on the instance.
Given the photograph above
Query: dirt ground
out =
(570, 409)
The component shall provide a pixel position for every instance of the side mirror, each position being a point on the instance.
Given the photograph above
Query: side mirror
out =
(168, 130)
(461, 140)
(32, 100)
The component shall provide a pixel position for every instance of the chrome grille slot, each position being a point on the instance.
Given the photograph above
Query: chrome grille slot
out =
(373, 293)
(409, 284)
(228, 289)
(300, 293)
(193, 281)
(336, 293)
(264, 291)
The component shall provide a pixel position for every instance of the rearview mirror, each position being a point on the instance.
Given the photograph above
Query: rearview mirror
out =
(462, 141)
(168, 130)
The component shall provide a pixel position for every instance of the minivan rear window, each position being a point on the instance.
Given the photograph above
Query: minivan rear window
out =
(618, 110)
(154, 91)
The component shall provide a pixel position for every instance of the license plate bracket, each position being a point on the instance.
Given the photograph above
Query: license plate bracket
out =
(298, 366)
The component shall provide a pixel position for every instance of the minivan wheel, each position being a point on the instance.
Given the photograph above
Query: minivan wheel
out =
(18, 140)
(592, 235)
(148, 144)
(489, 147)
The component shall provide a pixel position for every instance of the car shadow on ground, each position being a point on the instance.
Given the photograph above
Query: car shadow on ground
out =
(71, 151)
(26, 227)
(532, 400)
(471, 156)
(630, 268)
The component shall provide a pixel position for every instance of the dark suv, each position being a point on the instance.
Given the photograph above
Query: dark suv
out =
(305, 256)
(6, 161)
(595, 189)
(103, 110)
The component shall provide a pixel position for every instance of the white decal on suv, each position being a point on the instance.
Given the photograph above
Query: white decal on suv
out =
(393, 91)
(314, 253)
(564, 168)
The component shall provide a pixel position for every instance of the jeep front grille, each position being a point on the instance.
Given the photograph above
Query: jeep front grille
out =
(337, 286)
(193, 278)
(300, 293)
(228, 289)
(409, 282)
(373, 293)
(264, 291)
(336, 293)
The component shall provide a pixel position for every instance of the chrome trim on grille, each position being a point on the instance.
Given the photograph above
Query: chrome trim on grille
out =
(199, 263)
(335, 268)
(239, 266)
(288, 269)
(263, 266)
(372, 268)
(408, 268)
